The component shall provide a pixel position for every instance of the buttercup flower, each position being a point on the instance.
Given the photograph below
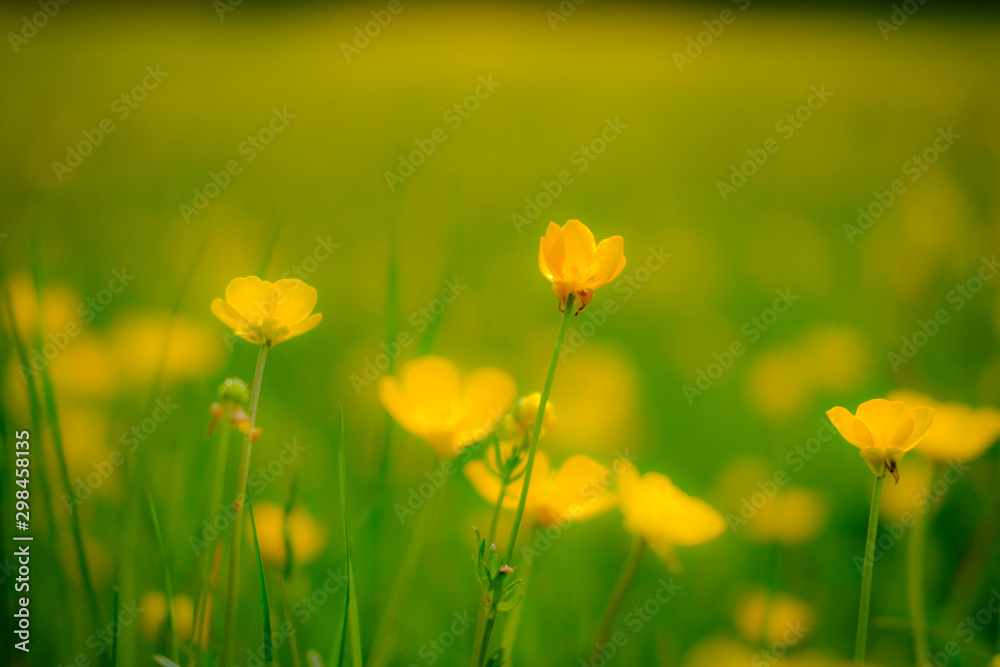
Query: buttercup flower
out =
(576, 264)
(307, 536)
(663, 515)
(578, 490)
(433, 402)
(883, 431)
(760, 611)
(959, 431)
(267, 313)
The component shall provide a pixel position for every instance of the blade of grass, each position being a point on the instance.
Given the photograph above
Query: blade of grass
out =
(265, 607)
(293, 640)
(352, 626)
(169, 589)
(286, 530)
(52, 417)
(114, 635)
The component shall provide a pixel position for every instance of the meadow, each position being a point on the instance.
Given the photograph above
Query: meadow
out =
(806, 199)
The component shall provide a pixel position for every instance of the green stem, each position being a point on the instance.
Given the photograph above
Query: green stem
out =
(625, 580)
(866, 579)
(916, 546)
(168, 586)
(526, 484)
(241, 492)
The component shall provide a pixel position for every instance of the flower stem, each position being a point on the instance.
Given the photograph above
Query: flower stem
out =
(866, 579)
(536, 433)
(916, 546)
(625, 579)
(241, 492)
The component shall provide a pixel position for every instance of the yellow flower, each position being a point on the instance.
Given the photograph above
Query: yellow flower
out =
(307, 536)
(520, 421)
(576, 264)
(910, 495)
(959, 431)
(883, 431)
(663, 515)
(781, 613)
(578, 490)
(267, 313)
(154, 606)
(433, 402)
(792, 516)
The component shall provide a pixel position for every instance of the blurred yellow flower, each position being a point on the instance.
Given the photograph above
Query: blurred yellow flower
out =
(578, 490)
(60, 306)
(780, 612)
(719, 652)
(433, 402)
(959, 431)
(884, 431)
(307, 536)
(154, 613)
(576, 264)
(663, 515)
(794, 515)
(140, 343)
(267, 313)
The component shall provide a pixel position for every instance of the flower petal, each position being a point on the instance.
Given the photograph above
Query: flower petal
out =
(296, 300)
(487, 396)
(229, 315)
(608, 262)
(850, 427)
(922, 419)
(397, 403)
(889, 422)
(580, 250)
(579, 489)
(300, 328)
(249, 296)
(552, 252)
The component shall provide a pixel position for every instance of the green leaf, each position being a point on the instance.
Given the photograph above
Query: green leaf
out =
(351, 621)
(265, 607)
(507, 605)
